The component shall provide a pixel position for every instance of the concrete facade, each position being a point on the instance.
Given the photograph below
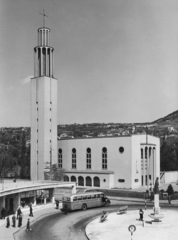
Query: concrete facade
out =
(43, 107)
(126, 166)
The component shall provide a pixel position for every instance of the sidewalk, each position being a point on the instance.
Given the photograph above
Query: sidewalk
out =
(38, 211)
(141, 200)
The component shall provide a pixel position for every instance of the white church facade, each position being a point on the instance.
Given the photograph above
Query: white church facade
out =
(111, 162)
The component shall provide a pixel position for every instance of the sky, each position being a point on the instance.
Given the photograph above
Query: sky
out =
(115, 60)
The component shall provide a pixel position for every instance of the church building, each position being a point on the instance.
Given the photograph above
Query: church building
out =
(111, 162)
(108, 162)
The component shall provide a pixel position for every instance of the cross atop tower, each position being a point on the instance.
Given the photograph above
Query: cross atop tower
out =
(44, 15)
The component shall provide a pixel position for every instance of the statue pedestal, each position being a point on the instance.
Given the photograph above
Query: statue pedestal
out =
(156, 209)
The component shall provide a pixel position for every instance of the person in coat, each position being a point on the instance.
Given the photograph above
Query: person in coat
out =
(28, 225)
(31, 211)
(3, 213)
(8, 222)
(20, 220)
(13, 221)
(19, 212)
(141, 214)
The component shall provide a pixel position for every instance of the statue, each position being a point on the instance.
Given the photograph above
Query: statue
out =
(156, 186)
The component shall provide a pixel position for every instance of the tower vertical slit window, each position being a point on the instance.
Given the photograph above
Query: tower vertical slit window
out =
(104, 158)
(60, 158)
(88, 156)
(146, 152)
(44, 61)
(141, 153)
(74, 158)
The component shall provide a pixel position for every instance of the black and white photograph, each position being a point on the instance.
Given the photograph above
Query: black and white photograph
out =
(88, 119)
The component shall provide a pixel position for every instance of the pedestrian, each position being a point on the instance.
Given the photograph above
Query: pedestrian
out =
(66, 209)
(20, 220)
(18, 212)
(57, 204)
(28, 225)
(149, 194)
(141, 214)
(31, 211)
(3, 213)
(13, 221)
(8, 222)
(169, 199)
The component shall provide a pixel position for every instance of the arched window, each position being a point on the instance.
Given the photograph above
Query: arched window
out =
(141, 153)
(104, 158)
(74, 158)
(88, 155)
(96, 182)
(73, 179)
(60, 158)
(80, 181)
(88, 181)
(66, 178)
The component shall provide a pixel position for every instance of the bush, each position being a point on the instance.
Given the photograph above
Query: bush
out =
(170, 190)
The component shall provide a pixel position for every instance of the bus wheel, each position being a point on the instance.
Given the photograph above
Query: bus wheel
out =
(106, 204)
(84, 207)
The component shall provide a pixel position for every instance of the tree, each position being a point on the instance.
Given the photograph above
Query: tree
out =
(24, 160)
(53, 172)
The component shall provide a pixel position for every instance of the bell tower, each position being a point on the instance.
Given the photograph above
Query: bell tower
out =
(43, 107)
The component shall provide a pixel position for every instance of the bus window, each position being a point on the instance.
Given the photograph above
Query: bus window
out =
(84, 197)
(66, 199)
(75, 199)
(98, 195)
(93, 196)
(101, 195)
(79, 198)
(89, 197)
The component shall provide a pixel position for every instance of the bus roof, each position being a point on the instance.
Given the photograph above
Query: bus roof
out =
(83, 194)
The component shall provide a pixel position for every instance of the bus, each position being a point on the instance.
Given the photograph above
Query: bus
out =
(84, 201)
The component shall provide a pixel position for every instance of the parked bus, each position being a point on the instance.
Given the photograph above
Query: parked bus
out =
(84, 201)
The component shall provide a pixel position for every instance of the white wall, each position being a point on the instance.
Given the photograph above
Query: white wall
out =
(171, 176)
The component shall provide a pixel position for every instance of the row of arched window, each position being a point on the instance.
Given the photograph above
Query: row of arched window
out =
(147, 152)
(81, 181)
(88, 158)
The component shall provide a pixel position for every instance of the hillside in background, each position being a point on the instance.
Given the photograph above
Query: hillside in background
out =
(17, 140)
(166, 127)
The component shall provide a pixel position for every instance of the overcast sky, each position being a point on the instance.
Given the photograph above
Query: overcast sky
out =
(115, 60)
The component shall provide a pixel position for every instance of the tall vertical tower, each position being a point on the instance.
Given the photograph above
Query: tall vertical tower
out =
(43, 107)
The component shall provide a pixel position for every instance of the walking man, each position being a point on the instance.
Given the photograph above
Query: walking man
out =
(13, 221)
(3, 213)
(28, 225)
(66, 209)
(141, 214)
(31, 211)
(8, 222)
(20, 220)
(19, 212)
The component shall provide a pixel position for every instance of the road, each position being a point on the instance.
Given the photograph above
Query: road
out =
(58, 226)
